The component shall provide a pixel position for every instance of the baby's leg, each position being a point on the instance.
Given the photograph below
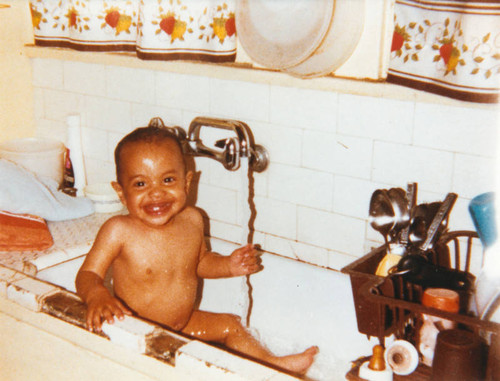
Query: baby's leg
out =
(228, 330)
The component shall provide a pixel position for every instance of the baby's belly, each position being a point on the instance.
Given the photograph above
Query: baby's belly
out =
(167, 303)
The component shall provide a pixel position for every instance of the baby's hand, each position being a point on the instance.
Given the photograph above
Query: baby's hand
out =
(245, 261)
(101, 307)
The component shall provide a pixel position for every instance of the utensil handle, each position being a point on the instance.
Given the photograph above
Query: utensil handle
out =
(440, 216)
(411, 195)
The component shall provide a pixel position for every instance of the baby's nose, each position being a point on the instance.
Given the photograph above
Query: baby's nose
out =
(156, 191)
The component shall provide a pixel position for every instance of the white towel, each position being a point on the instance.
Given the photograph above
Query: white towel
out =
(21, 191)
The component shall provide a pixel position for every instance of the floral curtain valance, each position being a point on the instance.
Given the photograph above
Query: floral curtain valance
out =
(448, 47)
(154, 29)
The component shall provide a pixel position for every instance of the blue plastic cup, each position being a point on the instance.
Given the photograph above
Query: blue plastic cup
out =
(482, 211)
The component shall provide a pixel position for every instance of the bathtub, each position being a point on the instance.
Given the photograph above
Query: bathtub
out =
(294, 305)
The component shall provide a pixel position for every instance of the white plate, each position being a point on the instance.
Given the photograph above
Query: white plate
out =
(282, 33)
(339, 43)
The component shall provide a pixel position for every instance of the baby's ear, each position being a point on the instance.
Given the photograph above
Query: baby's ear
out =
(189, 178)
(119, 191)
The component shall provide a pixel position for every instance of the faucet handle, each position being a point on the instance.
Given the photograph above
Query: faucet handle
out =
(231, 153)
(259, 159)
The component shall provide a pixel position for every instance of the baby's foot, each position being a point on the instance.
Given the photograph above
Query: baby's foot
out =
(298, 363)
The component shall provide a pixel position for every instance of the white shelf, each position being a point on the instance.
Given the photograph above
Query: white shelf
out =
(250, 73)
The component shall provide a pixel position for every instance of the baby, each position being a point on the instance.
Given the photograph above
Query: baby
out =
(158, 253)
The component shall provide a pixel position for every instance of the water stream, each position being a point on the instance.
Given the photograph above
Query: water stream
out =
(246, 214)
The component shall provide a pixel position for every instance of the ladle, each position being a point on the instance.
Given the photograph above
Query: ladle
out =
(381, 214)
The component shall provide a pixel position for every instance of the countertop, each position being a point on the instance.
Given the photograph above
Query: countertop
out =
(72, 238)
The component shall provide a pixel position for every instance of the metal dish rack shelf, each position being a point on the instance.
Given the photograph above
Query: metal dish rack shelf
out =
(389, 305)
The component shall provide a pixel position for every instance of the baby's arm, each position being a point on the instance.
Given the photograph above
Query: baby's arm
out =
(101, 305)
(242, 261)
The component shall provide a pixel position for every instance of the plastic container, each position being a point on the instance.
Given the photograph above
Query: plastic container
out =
(44, 157)
(482, 211)
(441, 299)
(104, 198)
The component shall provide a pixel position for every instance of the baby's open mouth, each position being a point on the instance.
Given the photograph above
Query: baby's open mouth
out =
(157, 208)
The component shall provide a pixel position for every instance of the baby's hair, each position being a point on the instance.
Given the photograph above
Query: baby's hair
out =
(150, 134)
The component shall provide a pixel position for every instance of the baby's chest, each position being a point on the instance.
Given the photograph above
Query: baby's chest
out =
(160, 258)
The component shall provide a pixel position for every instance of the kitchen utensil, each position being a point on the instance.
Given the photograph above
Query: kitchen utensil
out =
(279, 34)
(421, 219)
(401, 211)
(428, 221)
(381, 213)
(411, 196)
(44, 157)
(439, 221)
(341, 39)
(388, 212)
(482, 211)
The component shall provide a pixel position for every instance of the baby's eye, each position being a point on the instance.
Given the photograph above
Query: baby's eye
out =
(139, 184)
(168, 179)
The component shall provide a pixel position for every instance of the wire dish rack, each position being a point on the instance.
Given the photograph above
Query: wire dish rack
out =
(391, 305)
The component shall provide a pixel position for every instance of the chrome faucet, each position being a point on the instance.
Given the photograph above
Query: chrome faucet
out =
(232, 149)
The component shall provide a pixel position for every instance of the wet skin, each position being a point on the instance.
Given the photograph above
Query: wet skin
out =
(158, 255)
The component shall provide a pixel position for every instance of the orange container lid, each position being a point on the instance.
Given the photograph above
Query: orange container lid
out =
(441, 299)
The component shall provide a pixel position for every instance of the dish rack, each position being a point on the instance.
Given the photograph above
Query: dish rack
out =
(391, 305)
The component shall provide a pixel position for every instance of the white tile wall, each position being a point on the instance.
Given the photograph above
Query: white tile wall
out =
(185, 92)
(301, 186)
(389, 120)
(456, 129)
(329, 151)
(48, 73)
(84, 78)
(397, 164)
(304, 108)
(132, 85)
(238, 100)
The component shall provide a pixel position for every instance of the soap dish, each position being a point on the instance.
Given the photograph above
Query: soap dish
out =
(104, 198)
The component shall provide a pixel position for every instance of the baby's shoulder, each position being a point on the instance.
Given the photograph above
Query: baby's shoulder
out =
(113, 231)
(193, 215)
(117, 224)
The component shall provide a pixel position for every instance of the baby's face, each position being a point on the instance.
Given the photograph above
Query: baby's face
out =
(153, 181)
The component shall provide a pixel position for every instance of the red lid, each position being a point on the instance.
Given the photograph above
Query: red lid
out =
(441, 299)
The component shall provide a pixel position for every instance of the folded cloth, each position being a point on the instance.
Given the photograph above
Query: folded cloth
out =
(23, 192)
(22, 232)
